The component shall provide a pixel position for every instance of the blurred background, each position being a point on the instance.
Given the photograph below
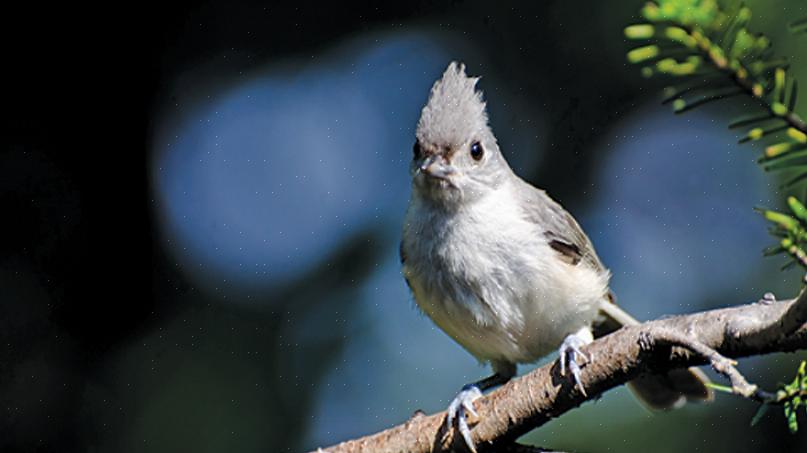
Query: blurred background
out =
(203, 203)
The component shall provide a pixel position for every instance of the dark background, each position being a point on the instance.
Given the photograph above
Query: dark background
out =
(87, 271)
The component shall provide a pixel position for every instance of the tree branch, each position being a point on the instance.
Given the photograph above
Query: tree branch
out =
(656, 346)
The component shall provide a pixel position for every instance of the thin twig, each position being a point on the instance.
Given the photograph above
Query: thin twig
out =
(720, 363)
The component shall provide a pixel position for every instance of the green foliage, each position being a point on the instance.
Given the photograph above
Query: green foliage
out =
(711, 48)
(792, 397)
(792, 231)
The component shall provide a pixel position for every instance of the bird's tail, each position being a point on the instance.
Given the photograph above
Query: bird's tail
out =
(658, 391)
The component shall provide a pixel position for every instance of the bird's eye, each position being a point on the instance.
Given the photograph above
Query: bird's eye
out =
(416, 151)
(477, 151)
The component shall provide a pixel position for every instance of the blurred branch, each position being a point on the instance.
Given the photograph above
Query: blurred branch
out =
(655, 346)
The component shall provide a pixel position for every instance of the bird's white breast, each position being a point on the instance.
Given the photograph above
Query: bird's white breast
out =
(486, 275)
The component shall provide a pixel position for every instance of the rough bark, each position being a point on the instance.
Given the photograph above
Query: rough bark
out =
(655, 346)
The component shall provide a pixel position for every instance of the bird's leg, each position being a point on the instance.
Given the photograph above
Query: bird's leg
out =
(570, 353)
(463, 403)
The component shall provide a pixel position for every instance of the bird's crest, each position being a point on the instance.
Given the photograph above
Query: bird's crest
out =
(455, 112)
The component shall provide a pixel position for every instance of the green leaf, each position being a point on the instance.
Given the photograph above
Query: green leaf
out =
(790, 416)
(781, 148)
(763, 409)
(643, 53)
(680, 35)
(788, 160)
(774, 250)
(801, 373)
(797, 135)
(794, 91)
(755, 133)
(783, 220)
(640, 31)
(779, 87)
(748, 120)
(716, 95)
(801, 212)
(779, 109)
(758, 132)
(673, 67)
(788, 265)
(798, 179)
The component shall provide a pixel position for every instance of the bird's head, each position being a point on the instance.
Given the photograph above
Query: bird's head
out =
(455, 158)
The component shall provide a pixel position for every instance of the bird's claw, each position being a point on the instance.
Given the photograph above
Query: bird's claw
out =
(569, 352)
(462, 405)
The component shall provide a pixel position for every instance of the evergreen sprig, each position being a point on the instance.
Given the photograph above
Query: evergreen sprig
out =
(711, 49)
(792, 231)
(792, 397)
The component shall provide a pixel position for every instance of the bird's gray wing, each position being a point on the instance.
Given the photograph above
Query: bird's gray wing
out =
(573, 246)
(559, 227)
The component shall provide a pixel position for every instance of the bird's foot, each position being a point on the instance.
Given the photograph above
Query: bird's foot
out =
(460, 407)
(570, 353)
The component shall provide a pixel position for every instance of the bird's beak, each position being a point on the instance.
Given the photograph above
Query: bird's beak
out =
(428, 162)
(436, 167)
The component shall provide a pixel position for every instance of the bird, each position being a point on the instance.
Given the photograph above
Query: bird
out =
(500, 266)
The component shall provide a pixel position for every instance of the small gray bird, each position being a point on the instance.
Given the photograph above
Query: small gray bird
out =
(497, 264)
